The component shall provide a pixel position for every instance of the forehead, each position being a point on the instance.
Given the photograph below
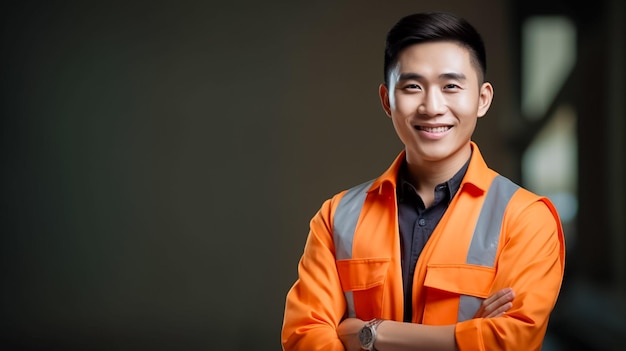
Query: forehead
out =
(436, 58)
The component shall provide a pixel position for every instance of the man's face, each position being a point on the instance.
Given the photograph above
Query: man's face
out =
(434, 100)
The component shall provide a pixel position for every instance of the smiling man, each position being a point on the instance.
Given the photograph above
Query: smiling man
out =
(440, 252)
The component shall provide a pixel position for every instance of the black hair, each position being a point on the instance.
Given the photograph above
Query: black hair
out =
(434, 26)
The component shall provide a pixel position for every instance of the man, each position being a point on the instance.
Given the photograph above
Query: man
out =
(439, 252)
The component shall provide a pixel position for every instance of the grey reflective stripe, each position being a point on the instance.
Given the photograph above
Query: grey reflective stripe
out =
(486, 236)
(344, 226)
(483, 248)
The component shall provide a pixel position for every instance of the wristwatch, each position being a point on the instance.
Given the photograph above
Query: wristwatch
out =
(367, 334)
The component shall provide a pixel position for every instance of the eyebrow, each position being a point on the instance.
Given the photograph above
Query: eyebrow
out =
(449, 75)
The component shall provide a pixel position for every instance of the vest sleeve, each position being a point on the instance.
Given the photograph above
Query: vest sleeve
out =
(315, 304)
(531, 261)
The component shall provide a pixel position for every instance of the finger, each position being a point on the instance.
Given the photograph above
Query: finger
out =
(502, 299)
(499, 311)
(496, 304)
(492, 299)
(503, 293)
(502, 304)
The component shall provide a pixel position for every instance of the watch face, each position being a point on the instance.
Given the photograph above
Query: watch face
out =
(365, 337)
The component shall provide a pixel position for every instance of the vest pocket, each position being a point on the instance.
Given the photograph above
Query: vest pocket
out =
(464, 279)
(454, 291)
(364, 280)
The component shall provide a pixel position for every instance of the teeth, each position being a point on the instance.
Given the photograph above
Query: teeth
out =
(434, 130)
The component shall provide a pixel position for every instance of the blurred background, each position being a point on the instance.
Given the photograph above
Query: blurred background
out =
(161, 160)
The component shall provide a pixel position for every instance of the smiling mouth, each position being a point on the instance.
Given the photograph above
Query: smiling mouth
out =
(433, 129)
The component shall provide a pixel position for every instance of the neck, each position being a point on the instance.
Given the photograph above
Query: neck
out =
(426, 175)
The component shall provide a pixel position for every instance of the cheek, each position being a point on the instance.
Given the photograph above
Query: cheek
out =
(464, 104)
(405, 104)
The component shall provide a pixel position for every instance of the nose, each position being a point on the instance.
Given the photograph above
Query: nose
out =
(433, 104)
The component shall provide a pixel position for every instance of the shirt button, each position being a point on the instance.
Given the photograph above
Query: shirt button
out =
(421, 222)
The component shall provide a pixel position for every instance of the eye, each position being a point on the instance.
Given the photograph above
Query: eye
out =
(451, 86)
(411, 86)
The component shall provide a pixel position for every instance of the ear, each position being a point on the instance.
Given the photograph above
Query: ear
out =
(383, 92)
(485, 98)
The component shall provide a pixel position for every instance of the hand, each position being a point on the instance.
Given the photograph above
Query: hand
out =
(348, 332)
(496, 304)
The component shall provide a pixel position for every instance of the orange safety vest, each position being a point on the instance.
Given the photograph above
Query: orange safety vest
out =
(484, 242)
(481, 251)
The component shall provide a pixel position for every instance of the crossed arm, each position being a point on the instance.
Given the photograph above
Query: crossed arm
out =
(398, 336)
(531, 262)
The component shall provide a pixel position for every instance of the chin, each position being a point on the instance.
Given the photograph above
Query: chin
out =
(438, 153)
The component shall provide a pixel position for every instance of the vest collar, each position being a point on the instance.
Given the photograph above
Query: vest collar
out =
(479, 175)
(477, 178)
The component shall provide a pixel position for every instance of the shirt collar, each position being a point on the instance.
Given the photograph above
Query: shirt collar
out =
(477, 177)
(452, 185)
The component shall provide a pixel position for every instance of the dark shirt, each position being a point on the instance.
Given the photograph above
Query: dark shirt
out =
(417, 223)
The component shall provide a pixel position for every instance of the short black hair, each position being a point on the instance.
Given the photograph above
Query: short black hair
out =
(430, 27)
